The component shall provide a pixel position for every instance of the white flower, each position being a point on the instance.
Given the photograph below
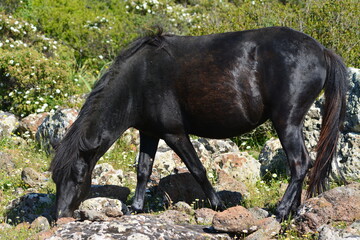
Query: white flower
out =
(11, 62)
(27, 102)
(1, 44)
(274, 175)
(57, 91)
(101, 57)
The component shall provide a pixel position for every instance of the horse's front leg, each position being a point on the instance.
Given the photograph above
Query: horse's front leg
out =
(148, 147)
(181, 144)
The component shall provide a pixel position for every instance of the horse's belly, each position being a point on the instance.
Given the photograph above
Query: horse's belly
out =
(222, 122)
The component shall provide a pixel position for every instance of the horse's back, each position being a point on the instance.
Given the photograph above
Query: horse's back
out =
(222, 85)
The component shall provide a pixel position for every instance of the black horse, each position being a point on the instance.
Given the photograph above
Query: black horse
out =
(214, 86)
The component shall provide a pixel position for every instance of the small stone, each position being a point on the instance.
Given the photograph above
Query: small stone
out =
(33, 178)
(40, 224)
(184, 207)
(204, 216)
(173, 216)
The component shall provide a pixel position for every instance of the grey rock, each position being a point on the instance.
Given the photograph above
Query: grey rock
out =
(327, 232)
(6, 162)
(259, 213)
(54, 127)
(204, 216)
(33, 178)
(184, 207)
(352, 121)
(273, 158)
(174, 217)
(8, 124)
(40, 224)
(105, 174)
(134, 227)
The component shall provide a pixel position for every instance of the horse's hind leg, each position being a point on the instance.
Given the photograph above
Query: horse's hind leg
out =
(148, 146)
(299, 162)
(181, 144)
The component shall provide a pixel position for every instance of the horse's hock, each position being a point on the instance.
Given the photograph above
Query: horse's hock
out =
(273, 157)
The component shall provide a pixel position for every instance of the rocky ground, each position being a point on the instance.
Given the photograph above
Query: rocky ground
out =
(335, 214)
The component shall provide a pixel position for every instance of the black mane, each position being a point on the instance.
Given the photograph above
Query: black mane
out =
(67, 151)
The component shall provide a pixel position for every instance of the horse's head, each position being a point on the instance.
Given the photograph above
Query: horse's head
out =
(72, 187)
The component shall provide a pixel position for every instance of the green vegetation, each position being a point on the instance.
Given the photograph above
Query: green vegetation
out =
(53, 49)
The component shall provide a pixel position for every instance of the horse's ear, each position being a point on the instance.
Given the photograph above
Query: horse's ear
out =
(79, 171)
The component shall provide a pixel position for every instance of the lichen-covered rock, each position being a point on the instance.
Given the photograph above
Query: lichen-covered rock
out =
(133, 227)
(348, 160)
(105, 174)
(8, 124)
(327, 232)
(338, 204)
(241, 166)
(54, 127)
(352, 120)
(100, 209)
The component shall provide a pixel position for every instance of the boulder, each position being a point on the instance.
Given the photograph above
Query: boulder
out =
(181, 187)
(236, 219)
(144, 227)
(54, 127)
(240, 165)
(338, 204)
(8, 124)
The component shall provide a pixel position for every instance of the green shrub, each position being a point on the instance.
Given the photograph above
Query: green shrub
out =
(34, 70)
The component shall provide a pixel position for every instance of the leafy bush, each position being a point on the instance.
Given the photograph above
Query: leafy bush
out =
(34, 70)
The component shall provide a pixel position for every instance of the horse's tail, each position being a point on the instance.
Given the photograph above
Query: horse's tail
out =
(333, 117)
